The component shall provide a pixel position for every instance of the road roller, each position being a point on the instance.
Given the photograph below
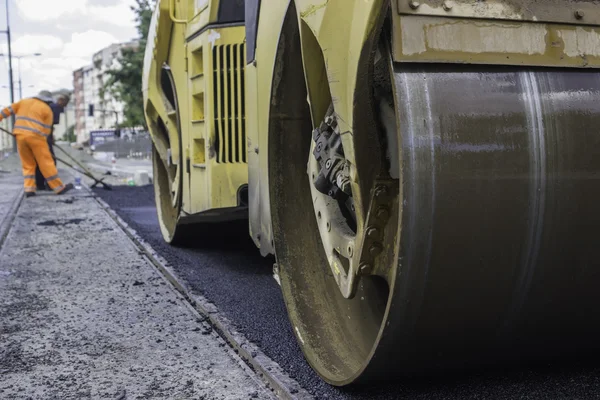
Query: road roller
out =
(426, 173)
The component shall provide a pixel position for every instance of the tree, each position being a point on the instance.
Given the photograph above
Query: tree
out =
(70, 135)
(125, 82)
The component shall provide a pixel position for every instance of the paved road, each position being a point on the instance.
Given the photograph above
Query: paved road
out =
(228, 271)
(83, 315)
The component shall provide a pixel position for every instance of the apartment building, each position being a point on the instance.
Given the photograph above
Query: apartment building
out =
(79, 103)
(89, 83)
(67, 118)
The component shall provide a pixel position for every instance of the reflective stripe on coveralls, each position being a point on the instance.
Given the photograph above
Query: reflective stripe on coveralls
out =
(36, 131)
(34, 125)
(33, 117)
(33, 120)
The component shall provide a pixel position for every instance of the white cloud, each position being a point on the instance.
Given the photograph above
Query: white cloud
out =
(52, 78)
(119, 14)
(44, 10)
(84, 45)
(72, 63)
(67, 33)
(29, 44)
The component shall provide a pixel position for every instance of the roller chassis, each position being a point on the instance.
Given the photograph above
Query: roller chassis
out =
(398, 272)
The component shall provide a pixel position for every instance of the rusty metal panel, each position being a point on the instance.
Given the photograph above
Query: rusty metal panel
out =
(579, 12)
(470, 41)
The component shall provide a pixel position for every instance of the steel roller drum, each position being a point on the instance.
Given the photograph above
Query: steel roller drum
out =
(499, 243)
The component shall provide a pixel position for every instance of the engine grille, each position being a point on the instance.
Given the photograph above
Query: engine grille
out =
(229, 103)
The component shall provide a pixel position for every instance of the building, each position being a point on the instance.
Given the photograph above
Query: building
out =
(85, 89)
(79, 102)
(90, 91)
(67, 119)
(108, 110)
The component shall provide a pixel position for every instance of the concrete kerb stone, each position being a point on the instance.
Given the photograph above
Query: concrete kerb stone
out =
(270, 372)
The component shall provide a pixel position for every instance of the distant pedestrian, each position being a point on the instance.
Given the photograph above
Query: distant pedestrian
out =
(57, 108)
(33, 125)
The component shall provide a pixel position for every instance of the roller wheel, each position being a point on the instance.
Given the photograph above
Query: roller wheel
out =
(167, 207)
(468, 236)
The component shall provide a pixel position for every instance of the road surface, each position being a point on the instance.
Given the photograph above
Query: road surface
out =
(84, 315)
(229, 272)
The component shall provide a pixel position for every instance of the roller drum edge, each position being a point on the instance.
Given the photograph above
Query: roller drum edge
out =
(500, 225)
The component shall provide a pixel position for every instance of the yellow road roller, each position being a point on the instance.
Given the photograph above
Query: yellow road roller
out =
(427, 173)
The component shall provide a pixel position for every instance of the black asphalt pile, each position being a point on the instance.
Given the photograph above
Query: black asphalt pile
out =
(228, 270)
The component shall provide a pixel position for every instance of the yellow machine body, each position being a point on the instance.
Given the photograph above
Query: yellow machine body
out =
(422, 233)
(203, 129)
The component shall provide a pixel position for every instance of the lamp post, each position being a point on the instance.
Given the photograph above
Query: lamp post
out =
(20, 87)
(10, 70)
(19, 69)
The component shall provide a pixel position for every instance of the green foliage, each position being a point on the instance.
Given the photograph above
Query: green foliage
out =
(125, 83)
(70, 135)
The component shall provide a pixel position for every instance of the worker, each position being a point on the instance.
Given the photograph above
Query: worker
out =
(58, 108)
(33, 125)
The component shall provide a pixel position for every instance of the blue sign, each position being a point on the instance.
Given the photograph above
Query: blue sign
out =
(101, 136)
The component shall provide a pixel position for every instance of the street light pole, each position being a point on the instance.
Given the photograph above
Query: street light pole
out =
(19, 68)
(20, 79)
(10, 71)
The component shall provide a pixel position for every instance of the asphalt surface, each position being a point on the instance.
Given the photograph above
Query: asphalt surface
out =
(227, 269)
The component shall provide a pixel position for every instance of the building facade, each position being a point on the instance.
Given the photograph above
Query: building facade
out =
(67, 118)
(79, 104)
(108, 110)
(90, 92)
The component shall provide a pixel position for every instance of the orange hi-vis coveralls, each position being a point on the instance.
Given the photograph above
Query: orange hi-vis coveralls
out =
(33, 125)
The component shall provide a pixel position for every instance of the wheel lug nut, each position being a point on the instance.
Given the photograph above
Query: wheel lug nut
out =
(381, 191)
(375, 249)
(328, 164)
(372, 233)
(414, 4)
(365, 269)
(383, 213)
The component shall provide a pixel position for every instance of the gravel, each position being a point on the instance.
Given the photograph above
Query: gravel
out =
(228, 270)
(84, 315)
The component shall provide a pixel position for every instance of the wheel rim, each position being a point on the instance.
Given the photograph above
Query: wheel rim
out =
(166, 126)
(338, 320)
(168, 215)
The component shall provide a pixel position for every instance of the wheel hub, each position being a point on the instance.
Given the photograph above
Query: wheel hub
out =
(352, 246)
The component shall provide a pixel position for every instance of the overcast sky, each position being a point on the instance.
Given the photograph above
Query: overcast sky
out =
(66, 32)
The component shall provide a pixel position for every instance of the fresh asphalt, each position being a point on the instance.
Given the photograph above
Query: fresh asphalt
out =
(227, 269)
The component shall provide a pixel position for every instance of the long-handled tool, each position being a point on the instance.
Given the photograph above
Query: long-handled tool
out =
(85, 171)
(88, 173)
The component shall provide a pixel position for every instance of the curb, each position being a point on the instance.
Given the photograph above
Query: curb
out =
(268, 370)
(6, 223)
